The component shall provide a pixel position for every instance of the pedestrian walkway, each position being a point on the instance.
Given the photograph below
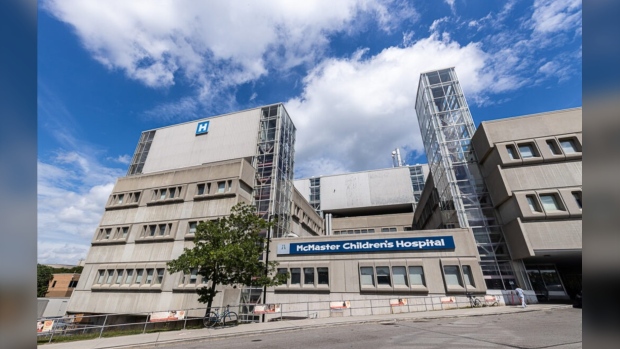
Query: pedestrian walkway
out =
(279, 326)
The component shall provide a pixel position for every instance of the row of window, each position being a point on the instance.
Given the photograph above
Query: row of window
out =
(218, 187)
(146, 276)
(550, 202)
(364, 231)
(119, 234)
(124, 199)
(156, 230)
(306, 276)
(412, 276)
(167, 193)
(528, 150)
(113, 233)
(173, 193)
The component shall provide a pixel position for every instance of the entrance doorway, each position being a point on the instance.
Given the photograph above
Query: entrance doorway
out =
(546, 282)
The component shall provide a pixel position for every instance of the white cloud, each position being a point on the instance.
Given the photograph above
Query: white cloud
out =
(121, 159)
(451, 3)
(72, 191)
(364, 108)
(215, 45)
(556, 15)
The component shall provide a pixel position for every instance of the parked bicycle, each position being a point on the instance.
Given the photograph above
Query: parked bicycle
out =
(224, 318)
(473, 301)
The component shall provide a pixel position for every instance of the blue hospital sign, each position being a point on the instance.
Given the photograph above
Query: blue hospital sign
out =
(368, 245)
(203, 127)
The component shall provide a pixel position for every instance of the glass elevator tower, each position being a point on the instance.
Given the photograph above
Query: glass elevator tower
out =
(446, 126)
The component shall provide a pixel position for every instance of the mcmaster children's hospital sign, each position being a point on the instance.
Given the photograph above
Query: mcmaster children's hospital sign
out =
(368, 245)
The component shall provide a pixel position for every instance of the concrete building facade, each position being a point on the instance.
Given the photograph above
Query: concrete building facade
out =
(179, 176)
(533, 168)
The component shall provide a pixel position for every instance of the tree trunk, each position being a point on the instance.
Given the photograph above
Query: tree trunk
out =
(212, 294)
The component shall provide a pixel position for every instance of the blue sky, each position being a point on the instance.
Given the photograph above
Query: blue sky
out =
(347, 72)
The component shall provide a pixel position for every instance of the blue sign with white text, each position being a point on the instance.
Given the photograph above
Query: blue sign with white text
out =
(368, 245)
(203, 127)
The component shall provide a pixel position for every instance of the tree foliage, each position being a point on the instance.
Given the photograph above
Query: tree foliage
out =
(227, 251)
(44, 275)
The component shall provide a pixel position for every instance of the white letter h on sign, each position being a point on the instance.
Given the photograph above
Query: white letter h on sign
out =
(203, 127)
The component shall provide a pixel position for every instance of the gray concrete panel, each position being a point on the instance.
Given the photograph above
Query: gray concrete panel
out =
(230, 136)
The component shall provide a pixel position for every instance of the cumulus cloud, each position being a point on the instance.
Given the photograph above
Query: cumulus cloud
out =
(215, 46)
(72, 191)
(353, 112)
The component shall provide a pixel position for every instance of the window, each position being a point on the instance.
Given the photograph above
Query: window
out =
(512, 152)
(577, 196)
(128, 276)
(229, 186)
(383, 276)
(553, 147)
(172, 192)
(367, 276)
(193, 276)
(54, 283)
(308, 276)
(110, 276)
(282, 271)
(149, 276)
(527, 151)
(162, 229)
(73, 284)
(136, 197)
(295, 276)
(152, 230)
(119, 276)
(159, 277)
(162, 194)
(568, 145)
(125, 230)
(469, 276)
(452, 275)
(416, 276)
(323, 274)
(107, 233)
(550, 202)
(531, 201)
(192, 227)
(139, 274)
(400, 276)
(100, 277)
(221, 186)
(120, 198)
(200, 189)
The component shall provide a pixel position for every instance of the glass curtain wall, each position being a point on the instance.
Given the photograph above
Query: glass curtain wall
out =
(274, 167)
(446, 126)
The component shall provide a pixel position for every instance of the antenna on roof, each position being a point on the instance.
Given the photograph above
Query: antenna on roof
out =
(396, 160)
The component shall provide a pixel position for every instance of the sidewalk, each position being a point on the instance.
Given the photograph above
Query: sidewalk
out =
(280, 326)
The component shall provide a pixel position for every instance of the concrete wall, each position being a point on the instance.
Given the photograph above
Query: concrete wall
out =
(230, 136)
(138, 250)
(377, 222)
(305, 221)
(366, 189)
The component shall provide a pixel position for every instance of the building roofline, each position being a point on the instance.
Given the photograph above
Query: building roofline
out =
(214, 116)
(356, 172)
(529, 115)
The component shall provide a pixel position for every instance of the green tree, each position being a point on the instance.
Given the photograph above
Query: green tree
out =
(44, 275)
(227, 252)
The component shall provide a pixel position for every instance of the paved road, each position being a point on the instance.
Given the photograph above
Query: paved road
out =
(553, 329)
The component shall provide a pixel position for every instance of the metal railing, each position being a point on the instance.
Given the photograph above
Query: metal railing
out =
(98, 326)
